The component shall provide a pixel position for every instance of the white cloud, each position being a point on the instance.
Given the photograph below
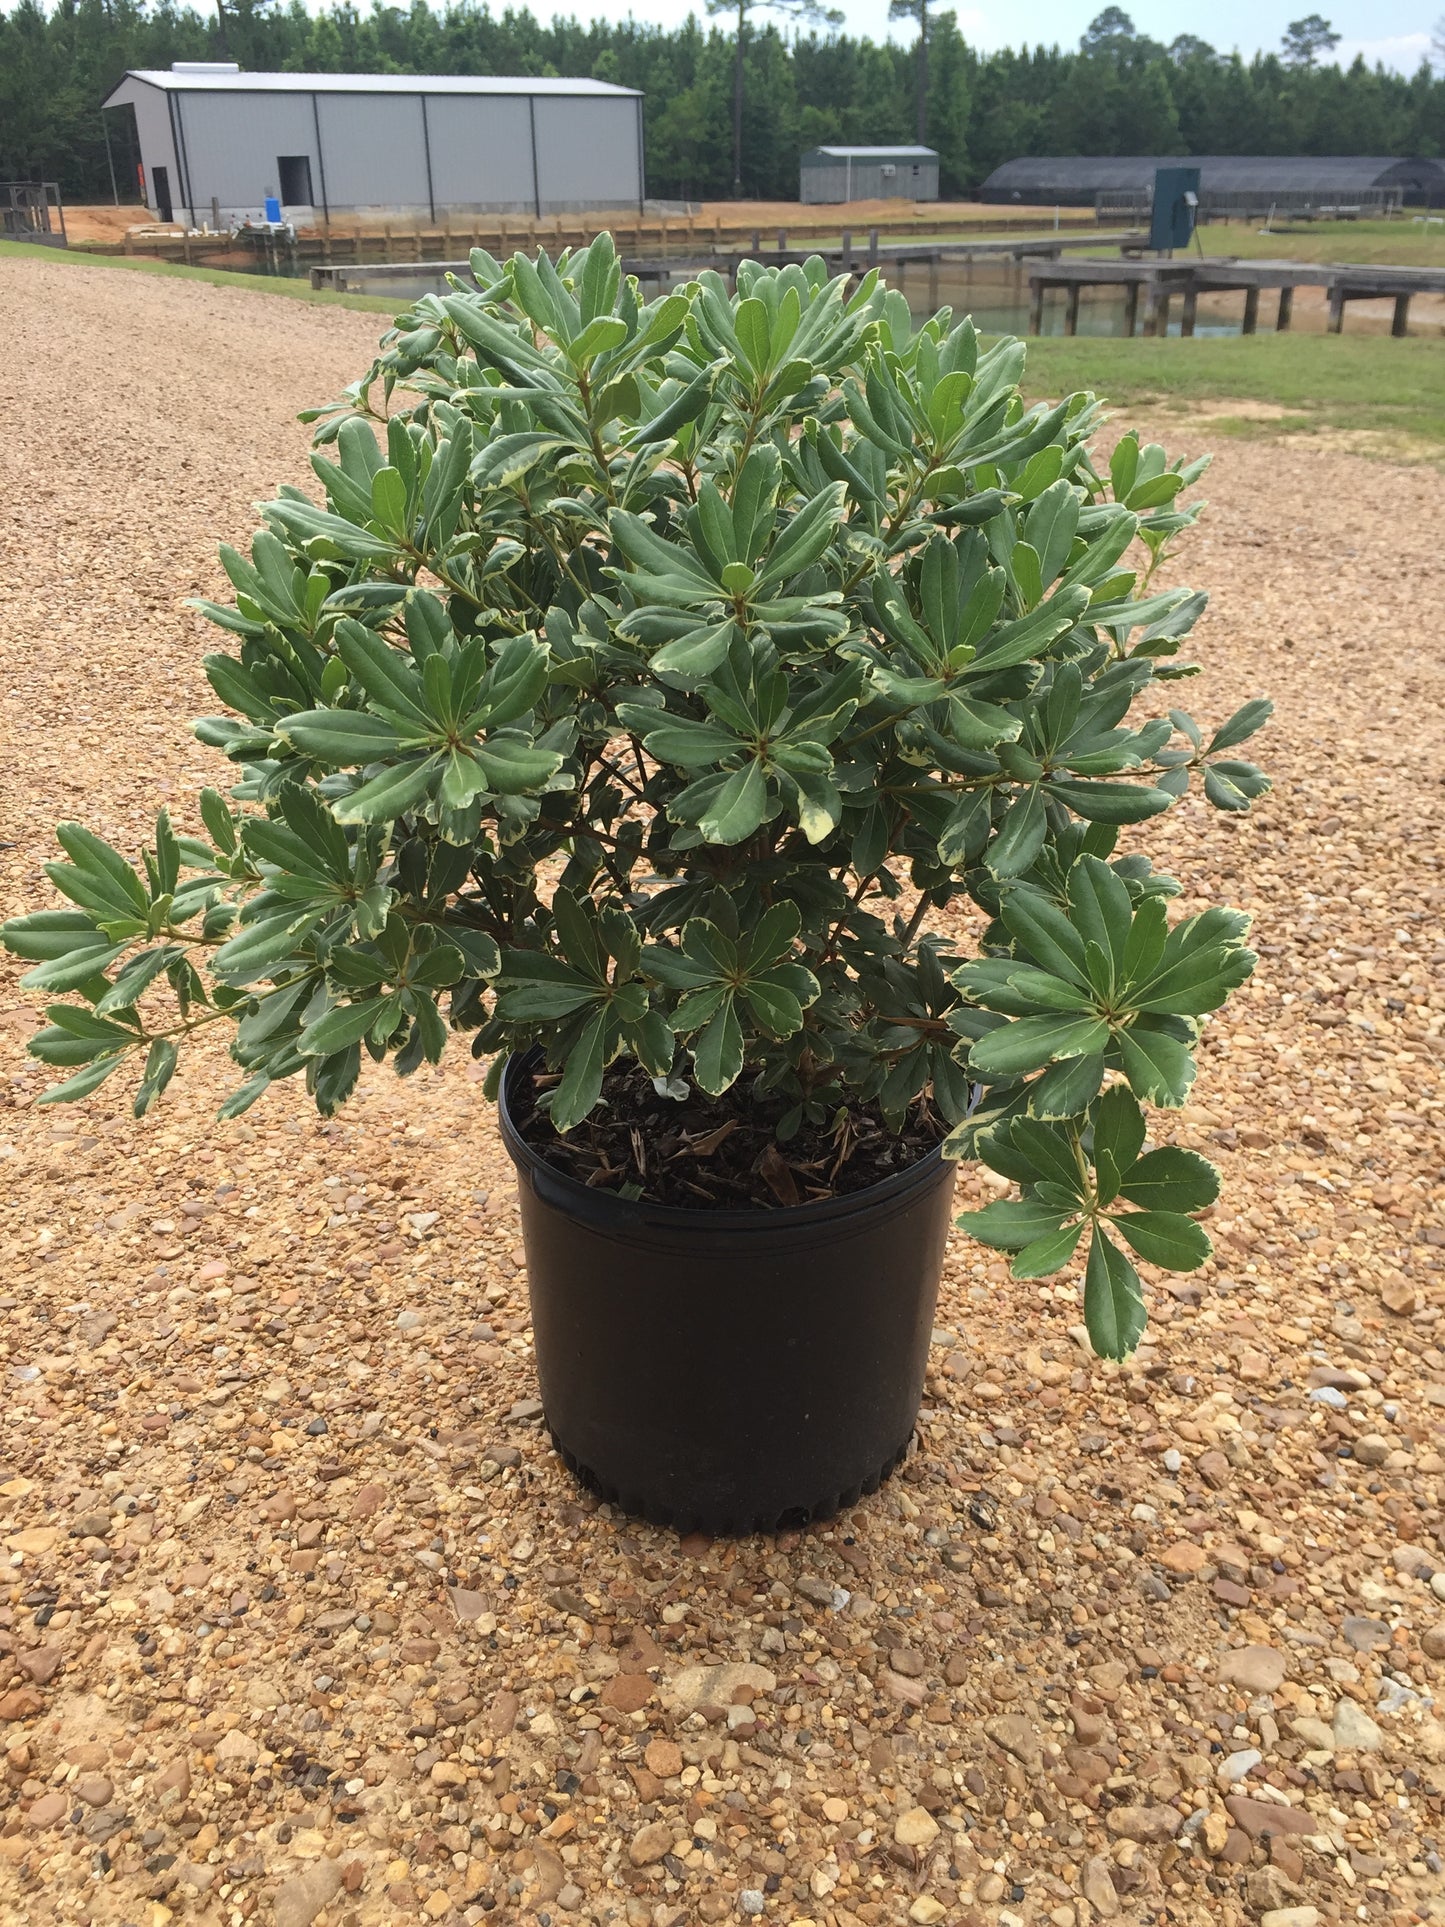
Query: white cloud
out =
(1403, 51)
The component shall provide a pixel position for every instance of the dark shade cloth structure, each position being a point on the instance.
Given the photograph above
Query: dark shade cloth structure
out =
(1249, 182)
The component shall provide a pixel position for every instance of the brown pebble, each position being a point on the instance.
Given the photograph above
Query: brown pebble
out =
(48, 1811)
(21, 1704)
(41, 1663)
(628, 1692)
(664, 1758)
(1259, 1817)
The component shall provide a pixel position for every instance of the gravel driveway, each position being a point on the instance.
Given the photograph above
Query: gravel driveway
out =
(302, 1621)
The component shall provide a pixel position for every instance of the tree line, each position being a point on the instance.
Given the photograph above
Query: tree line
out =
(739, 95)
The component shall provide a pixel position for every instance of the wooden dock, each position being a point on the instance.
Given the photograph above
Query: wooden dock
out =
(1160, 280)
(848, 257)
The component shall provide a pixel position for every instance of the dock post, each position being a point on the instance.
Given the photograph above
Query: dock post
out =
(757, 242)
(847, 250)
(873, 247)
(1337, 310)
(1156, 310)
(1286, 309)
(1400, 325)
(782, 240)
(1131, 309)
(933, 282)
(1071, 309)
(1251, 311)
(1036, 307)
(1191, 310)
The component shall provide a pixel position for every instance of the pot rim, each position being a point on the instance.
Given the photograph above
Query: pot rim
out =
(607, 1211)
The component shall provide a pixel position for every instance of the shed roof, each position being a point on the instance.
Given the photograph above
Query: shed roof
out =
(1218, 172)
(207, 78)
(873, 153)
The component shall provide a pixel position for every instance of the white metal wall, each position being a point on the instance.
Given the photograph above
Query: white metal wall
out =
(153, 128)
(481, 152)
(374, 148)
(382, 153)
(233, 142)
(588, 152)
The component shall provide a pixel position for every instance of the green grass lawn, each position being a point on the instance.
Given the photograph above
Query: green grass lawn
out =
(214, 277)
(1394, 390)
(1401, 243)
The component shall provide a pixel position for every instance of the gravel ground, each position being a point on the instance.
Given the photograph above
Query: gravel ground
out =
(303, 1622)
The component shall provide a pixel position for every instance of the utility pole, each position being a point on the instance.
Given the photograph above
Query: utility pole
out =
(738, 101)
(109, 159)
(917, 10)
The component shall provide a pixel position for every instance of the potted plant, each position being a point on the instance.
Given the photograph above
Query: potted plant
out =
(725, 708)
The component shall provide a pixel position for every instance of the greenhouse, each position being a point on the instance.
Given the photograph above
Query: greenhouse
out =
(1231, 186)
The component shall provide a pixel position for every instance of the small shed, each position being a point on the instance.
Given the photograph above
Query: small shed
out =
(869, 174)
(423, 145)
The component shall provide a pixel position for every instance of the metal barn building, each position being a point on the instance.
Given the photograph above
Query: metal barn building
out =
(214, 138)
(1243, 184)
(868, 174)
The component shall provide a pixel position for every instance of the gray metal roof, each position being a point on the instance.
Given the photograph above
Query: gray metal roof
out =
(205, 78)
(1218, 172)
(874, 153)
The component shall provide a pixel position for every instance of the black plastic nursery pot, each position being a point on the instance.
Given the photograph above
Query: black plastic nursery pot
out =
(730, 1371)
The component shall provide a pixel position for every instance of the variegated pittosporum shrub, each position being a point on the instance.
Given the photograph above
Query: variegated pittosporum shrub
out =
(650, 676)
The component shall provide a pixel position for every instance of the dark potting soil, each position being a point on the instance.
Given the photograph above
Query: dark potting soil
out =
(720, 1152)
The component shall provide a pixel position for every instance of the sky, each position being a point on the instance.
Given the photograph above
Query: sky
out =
(1396, 32)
